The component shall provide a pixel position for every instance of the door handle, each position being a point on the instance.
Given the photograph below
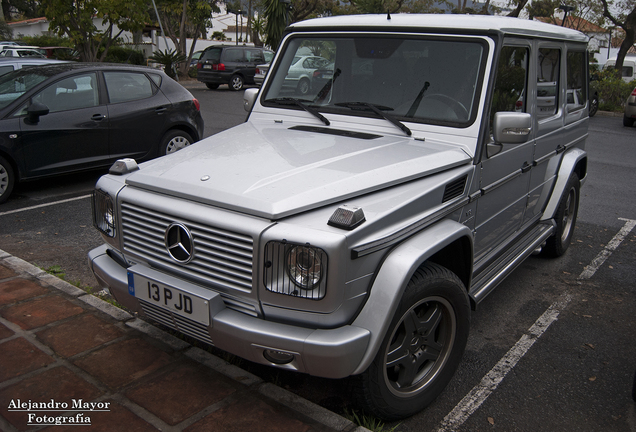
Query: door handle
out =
(161, 110)
(98, 117)
(526, 167)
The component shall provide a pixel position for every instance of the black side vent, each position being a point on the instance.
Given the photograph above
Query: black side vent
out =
(454, 189)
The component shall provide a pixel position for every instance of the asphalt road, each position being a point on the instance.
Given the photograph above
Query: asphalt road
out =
(553, 348)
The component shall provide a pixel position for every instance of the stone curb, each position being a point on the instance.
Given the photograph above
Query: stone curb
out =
(271, 391)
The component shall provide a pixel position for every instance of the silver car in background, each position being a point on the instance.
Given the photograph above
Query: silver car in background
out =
(630, 110)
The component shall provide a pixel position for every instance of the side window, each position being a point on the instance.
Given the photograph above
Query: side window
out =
(232, 55)
(268, 56)
(548, 82)
(577, 87)
(255, 56)
(127, 86)
(510, 91)
(79, 91)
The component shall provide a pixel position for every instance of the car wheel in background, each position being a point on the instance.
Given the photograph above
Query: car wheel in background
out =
(628, 122)
(174, 141)
(7, 179)
(303, 86)
(212, 86)
(593, 104)
(236, 83)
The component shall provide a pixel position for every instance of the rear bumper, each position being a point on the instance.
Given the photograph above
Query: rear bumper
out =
(329, 353)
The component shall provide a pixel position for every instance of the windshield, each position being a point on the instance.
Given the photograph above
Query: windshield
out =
(424, 80)
(15, 84)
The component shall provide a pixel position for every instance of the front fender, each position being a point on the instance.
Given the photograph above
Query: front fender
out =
(394, 275)
(568, 165)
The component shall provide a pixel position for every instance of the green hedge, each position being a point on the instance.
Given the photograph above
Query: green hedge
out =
(118, 54)
(612, 90)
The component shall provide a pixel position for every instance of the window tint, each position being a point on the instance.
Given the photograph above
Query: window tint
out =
(5, 69)
(213, 55)
(510, 91)
(548, 82)
(233, 55)
(577, 86)
(127, 86)
(79, 91)
(254, 56)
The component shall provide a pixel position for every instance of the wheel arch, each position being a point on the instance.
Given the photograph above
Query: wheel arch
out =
(574, 160)
(443, 243)
(14, 165)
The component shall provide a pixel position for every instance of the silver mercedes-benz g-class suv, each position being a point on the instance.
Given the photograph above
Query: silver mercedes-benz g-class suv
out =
(348, 227)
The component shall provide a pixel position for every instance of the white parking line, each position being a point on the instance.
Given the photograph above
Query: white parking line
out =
(489, 383)
(597, 262)
(44, 205)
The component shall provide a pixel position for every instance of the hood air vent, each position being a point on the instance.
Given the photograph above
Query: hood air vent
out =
(454, 189)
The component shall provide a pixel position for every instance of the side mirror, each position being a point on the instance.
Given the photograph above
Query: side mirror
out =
(511, 127)
(249, 98)
(34, 111)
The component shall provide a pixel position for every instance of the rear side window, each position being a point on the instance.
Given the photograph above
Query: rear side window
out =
(233, 55)
(213, 55)
(548, 82)
(127, 86)
(577, 85)
(5, 69)
(254, 56)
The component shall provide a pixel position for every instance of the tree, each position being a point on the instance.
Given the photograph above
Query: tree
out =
(74, 19)
(625, 19)
(186, 18)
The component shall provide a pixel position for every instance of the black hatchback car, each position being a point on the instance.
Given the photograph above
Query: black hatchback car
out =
(231, 65)
(78, 116)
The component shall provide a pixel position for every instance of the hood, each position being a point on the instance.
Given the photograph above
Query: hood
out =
(273, 171)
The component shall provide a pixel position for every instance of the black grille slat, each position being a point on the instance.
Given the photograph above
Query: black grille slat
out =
(454, 189)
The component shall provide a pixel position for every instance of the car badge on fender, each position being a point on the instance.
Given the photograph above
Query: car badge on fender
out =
(179, 243)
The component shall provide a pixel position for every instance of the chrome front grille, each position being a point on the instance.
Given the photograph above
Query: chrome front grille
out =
(222, 258)
(174, 321)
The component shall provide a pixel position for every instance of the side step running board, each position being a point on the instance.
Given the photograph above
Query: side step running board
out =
(483, 284)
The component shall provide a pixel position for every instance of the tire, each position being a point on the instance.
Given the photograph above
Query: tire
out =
(565, 218)
(628, 122)
(212, 86)
(174, 141)
(303, 86)
(593, 105)
(7, 179)
(236, 83)
(412, 381)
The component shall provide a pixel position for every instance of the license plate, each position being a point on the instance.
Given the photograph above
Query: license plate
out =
(207, 66)
(170, 298)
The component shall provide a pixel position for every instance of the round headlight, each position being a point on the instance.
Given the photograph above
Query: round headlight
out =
(304, 266)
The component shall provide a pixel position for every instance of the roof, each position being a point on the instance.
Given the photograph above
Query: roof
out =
(444, 22)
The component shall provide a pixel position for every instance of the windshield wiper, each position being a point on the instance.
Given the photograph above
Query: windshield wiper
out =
(302, 104)
(378, 109)
(418, 99)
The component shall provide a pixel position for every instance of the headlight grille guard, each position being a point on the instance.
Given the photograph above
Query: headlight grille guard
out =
(103, 213)
(293, 269)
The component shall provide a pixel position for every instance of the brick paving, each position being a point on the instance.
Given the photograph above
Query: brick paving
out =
(86, 362)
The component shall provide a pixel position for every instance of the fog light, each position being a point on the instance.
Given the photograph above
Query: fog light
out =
(278, 357)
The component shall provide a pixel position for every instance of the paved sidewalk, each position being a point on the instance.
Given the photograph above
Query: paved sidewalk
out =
(68, 357)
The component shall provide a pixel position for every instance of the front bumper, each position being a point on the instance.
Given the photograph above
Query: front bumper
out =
(330, 353)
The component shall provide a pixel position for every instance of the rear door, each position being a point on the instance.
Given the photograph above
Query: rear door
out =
(73, 135)
(137, 112)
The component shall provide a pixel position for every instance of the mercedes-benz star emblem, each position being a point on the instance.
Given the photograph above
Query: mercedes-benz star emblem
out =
(179, 243)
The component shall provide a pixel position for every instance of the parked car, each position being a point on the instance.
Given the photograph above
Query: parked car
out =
(59, 52)
(630, 110)
(261, 73)
(629, 67)
(351, 231)
(195, 58)
(58, 119)
(21, 52)
(301, 71)
(231, 65)
(9, 64)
